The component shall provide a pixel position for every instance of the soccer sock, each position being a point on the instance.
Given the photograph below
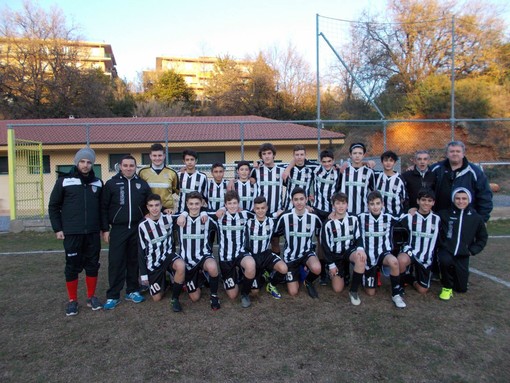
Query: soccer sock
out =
(91, 283)
(246, 286)
(176, 290)
(311, 277)
(357, 278)
(323, 268)
(395, 285)
(72, 289)
(276, 278)
(406, 278)
(213, 284)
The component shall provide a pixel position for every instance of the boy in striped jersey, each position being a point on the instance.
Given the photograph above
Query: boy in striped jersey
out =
(155, 238)
(341, 240)
(298, 227)
(423, 228)
(191, 179)
(257, 240)
(230, 239)
(357, 180)
(391, 185)
(299, 173)
(376, 233)
(269, 179)
(195, 250)
(243, 186)
(216, 187)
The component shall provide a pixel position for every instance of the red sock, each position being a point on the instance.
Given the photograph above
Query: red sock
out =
(91, 286)
(72, 290)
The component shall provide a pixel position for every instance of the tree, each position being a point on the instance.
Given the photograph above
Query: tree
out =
(40, 70)
(170, 87)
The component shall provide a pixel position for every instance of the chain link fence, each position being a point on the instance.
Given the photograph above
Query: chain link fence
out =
(487, 141)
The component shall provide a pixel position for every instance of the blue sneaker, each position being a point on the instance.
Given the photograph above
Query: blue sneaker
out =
(111, 304)
(134, 297)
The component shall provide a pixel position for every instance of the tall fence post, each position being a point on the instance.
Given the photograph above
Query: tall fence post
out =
(452, 91)
(385, 133)
(11, 158)
(167, 135)
(41, 178)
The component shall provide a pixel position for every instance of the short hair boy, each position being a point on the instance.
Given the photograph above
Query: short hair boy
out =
(191, 179)
(196, 252)
(423, 229)
(341, 240)
(244, 187)
(391, 185)
(295, 224)
(375, 229)
(462, 234)
(155, 238)
(299, 173)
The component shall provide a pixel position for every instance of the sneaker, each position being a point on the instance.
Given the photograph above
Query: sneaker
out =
(134, 297)
(273, 291)
(311, 290)
(176, 305)
(215, 302)
(446, 294)
(354, 298)
(245, 301)
(111, 304)
(399, 302)
(94, 303)
(323, 281)
(71, 308)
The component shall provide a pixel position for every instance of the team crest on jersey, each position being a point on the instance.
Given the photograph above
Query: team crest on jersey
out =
(394, 189)
(167, 226)
(364, 177)
(94, 189)
(138, 186)
(308, 227)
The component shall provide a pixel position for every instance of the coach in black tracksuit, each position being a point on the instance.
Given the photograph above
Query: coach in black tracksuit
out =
(122, 210)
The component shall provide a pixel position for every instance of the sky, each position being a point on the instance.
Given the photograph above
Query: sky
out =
(141, 30)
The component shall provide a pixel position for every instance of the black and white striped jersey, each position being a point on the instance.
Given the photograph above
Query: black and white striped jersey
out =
(247, 193)
(155, 240)
(257, 235)
(298, 231)
(216, 194)
(357, 183)
(393, 191)
(423, 233)
(270, 185)
(325, 184)
(376, 235)
(340, 236)
(193, 240)
(230, 229)
(300, 176)
(191, 182)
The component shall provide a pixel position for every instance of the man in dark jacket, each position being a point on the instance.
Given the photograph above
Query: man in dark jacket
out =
(456, 171)
(462, 234)
(419, 178)
(74, 211)
(121, 211)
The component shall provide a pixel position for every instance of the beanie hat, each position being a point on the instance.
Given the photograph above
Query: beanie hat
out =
(85, 153)
(462, 190)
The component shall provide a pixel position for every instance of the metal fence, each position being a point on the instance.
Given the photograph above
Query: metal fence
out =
(486, 141)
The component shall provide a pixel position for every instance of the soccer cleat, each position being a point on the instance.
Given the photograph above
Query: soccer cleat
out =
(71, 308)
(354, 298)
(94, 303)
(176, 305)
(323, 281)
(399, 302)
(111, 304)
(215, 302)
(446, 294)
(311, 289)
(134, 297)
(245, 301)
(266, 275)
(273, 291)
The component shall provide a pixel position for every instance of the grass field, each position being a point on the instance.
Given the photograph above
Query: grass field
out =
(291, 340)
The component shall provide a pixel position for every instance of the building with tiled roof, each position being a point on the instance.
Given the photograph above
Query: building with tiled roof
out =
(216, 139)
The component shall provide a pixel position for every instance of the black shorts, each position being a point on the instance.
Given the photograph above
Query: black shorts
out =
(340, 263)
(294, 267)
(230, 273)
(421, 273)
(264, 261)
(157, 277)
(195, 277)
(370, 276)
